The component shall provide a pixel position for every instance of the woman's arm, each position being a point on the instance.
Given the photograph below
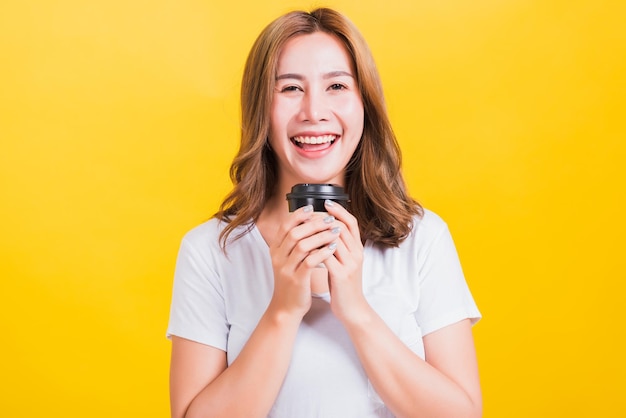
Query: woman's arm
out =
(202, 386)
(192, 367)
(445, 385)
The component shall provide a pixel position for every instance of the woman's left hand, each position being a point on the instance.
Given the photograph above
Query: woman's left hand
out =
(345, 267)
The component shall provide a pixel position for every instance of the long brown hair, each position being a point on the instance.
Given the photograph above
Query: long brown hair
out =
(379, 198)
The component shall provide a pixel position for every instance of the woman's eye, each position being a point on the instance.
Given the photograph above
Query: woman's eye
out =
(337, 86)
(289, 88)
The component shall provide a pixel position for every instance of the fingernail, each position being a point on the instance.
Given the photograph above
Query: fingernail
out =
(308, 208)
(332, 246)
(329, 202)
(335, 230)
(329, 219)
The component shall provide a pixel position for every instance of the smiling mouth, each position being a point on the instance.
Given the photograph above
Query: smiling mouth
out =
(314, 143)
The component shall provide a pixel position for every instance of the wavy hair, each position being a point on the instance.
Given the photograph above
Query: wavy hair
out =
(379, 197)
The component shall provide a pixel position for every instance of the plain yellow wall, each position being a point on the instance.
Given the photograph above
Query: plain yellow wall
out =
(118, 121)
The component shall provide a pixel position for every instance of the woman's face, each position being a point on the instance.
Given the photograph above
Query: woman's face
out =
(317, 111)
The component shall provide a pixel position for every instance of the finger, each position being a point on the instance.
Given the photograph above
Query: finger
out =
(297, 227)
(332, 263)
(297, 217)
(346, 237)
(345, 257)
(344, 216)
(305, 236)
(341, 252)
(315, 242)
(319, 256)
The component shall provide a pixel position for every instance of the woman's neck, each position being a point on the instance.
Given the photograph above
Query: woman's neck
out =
(272, 216)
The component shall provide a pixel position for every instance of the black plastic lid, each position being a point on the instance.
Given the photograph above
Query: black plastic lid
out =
(315, 194)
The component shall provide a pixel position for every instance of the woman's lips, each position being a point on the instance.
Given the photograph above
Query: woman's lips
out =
(314, 143)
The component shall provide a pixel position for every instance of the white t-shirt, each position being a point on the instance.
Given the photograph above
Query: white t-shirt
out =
(416, 288)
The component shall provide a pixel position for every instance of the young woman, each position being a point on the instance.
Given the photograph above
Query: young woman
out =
(362, 312)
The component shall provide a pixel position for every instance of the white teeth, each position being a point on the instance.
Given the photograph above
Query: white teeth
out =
(314, 139)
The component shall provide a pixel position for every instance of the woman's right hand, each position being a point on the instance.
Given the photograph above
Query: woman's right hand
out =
(301, 244)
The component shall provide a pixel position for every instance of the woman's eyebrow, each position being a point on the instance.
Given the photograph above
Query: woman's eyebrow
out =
(332, 74)
(339, 73)
(289, 76)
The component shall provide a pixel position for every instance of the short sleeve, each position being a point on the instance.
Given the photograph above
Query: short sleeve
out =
(445, 297)
(197, 309)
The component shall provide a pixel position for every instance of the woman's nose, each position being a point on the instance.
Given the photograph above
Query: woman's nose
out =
(314, 107)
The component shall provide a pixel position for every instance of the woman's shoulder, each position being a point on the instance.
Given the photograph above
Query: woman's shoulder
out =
(208, 233)
(209, 227)
(427, 227)
(429, 221)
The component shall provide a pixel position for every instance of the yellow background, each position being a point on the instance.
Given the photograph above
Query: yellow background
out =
(118, 121)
